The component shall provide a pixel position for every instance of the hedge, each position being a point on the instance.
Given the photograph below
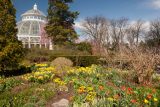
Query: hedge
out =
(85, 60)
(78, 60)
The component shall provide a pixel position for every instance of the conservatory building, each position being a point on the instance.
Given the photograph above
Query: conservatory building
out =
(31, 29)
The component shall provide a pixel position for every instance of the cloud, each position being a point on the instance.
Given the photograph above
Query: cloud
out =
(146, 24)
(154, 4)
(78, 25)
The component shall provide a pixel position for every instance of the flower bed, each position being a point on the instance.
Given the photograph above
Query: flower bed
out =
(92, 86)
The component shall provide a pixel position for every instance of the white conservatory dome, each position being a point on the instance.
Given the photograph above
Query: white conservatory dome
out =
(31, 29)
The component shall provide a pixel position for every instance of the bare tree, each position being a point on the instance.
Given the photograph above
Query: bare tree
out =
(135, 31)
(153, 37)
(118, 31)
(97, 28)
(130, 36)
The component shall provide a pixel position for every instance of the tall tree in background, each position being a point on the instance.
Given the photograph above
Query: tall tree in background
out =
(135, 32)
(118, 31)
(153, 37)
(11, 50)
(97, 28)
(60, 22)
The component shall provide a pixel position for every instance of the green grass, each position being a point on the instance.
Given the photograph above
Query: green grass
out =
(35, 94)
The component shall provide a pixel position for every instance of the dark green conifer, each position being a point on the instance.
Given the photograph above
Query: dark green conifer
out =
(60, 22)
(11, 50)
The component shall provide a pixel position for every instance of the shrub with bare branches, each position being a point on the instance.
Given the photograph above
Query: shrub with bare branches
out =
(143, 63)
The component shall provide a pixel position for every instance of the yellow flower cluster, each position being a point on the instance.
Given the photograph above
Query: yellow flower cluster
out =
(41, 74)
(155, 99)
(91, 96)
(88, 70)
(89, 89)
(110, 99)
(41, 65)
(147, 101)
(59, 81)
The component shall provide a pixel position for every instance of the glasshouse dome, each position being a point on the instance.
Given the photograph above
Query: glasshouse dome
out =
(31, 29)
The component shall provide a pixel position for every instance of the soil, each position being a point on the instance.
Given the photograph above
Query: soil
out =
(61, 95)
(19, 88)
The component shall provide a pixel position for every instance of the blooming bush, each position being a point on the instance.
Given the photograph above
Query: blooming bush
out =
(41, 74)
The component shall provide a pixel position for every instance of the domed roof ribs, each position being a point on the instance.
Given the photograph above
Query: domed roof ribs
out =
(34, 11)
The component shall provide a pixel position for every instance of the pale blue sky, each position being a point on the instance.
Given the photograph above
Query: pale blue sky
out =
(132, 9)
(112, 9)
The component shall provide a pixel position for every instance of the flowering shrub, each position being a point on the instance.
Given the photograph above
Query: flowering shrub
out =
(41, 74)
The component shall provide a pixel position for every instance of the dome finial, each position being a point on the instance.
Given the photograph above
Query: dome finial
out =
(35, 6)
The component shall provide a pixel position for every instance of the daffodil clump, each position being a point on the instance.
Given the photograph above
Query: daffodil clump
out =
(85, 70)
(150, 99)
(60, 85)
(41, 65)
(41, 74)
(85, 93)
(59, 81)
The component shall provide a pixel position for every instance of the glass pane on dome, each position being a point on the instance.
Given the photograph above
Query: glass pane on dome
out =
(25, 28)
(34, 29)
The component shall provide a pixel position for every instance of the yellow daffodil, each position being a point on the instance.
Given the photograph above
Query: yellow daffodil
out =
(155, 99)
(110, 99)
(146, 101)
(90, 97)
(90, 88)
(40, 77)
(56, 80)
(41, 65)
(62, 83)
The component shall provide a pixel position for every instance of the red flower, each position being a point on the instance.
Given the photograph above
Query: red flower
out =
(133, 101)
(149, 96)
(129, 89)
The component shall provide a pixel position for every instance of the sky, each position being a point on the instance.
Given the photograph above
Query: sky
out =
(132, 9)
(111, 9)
